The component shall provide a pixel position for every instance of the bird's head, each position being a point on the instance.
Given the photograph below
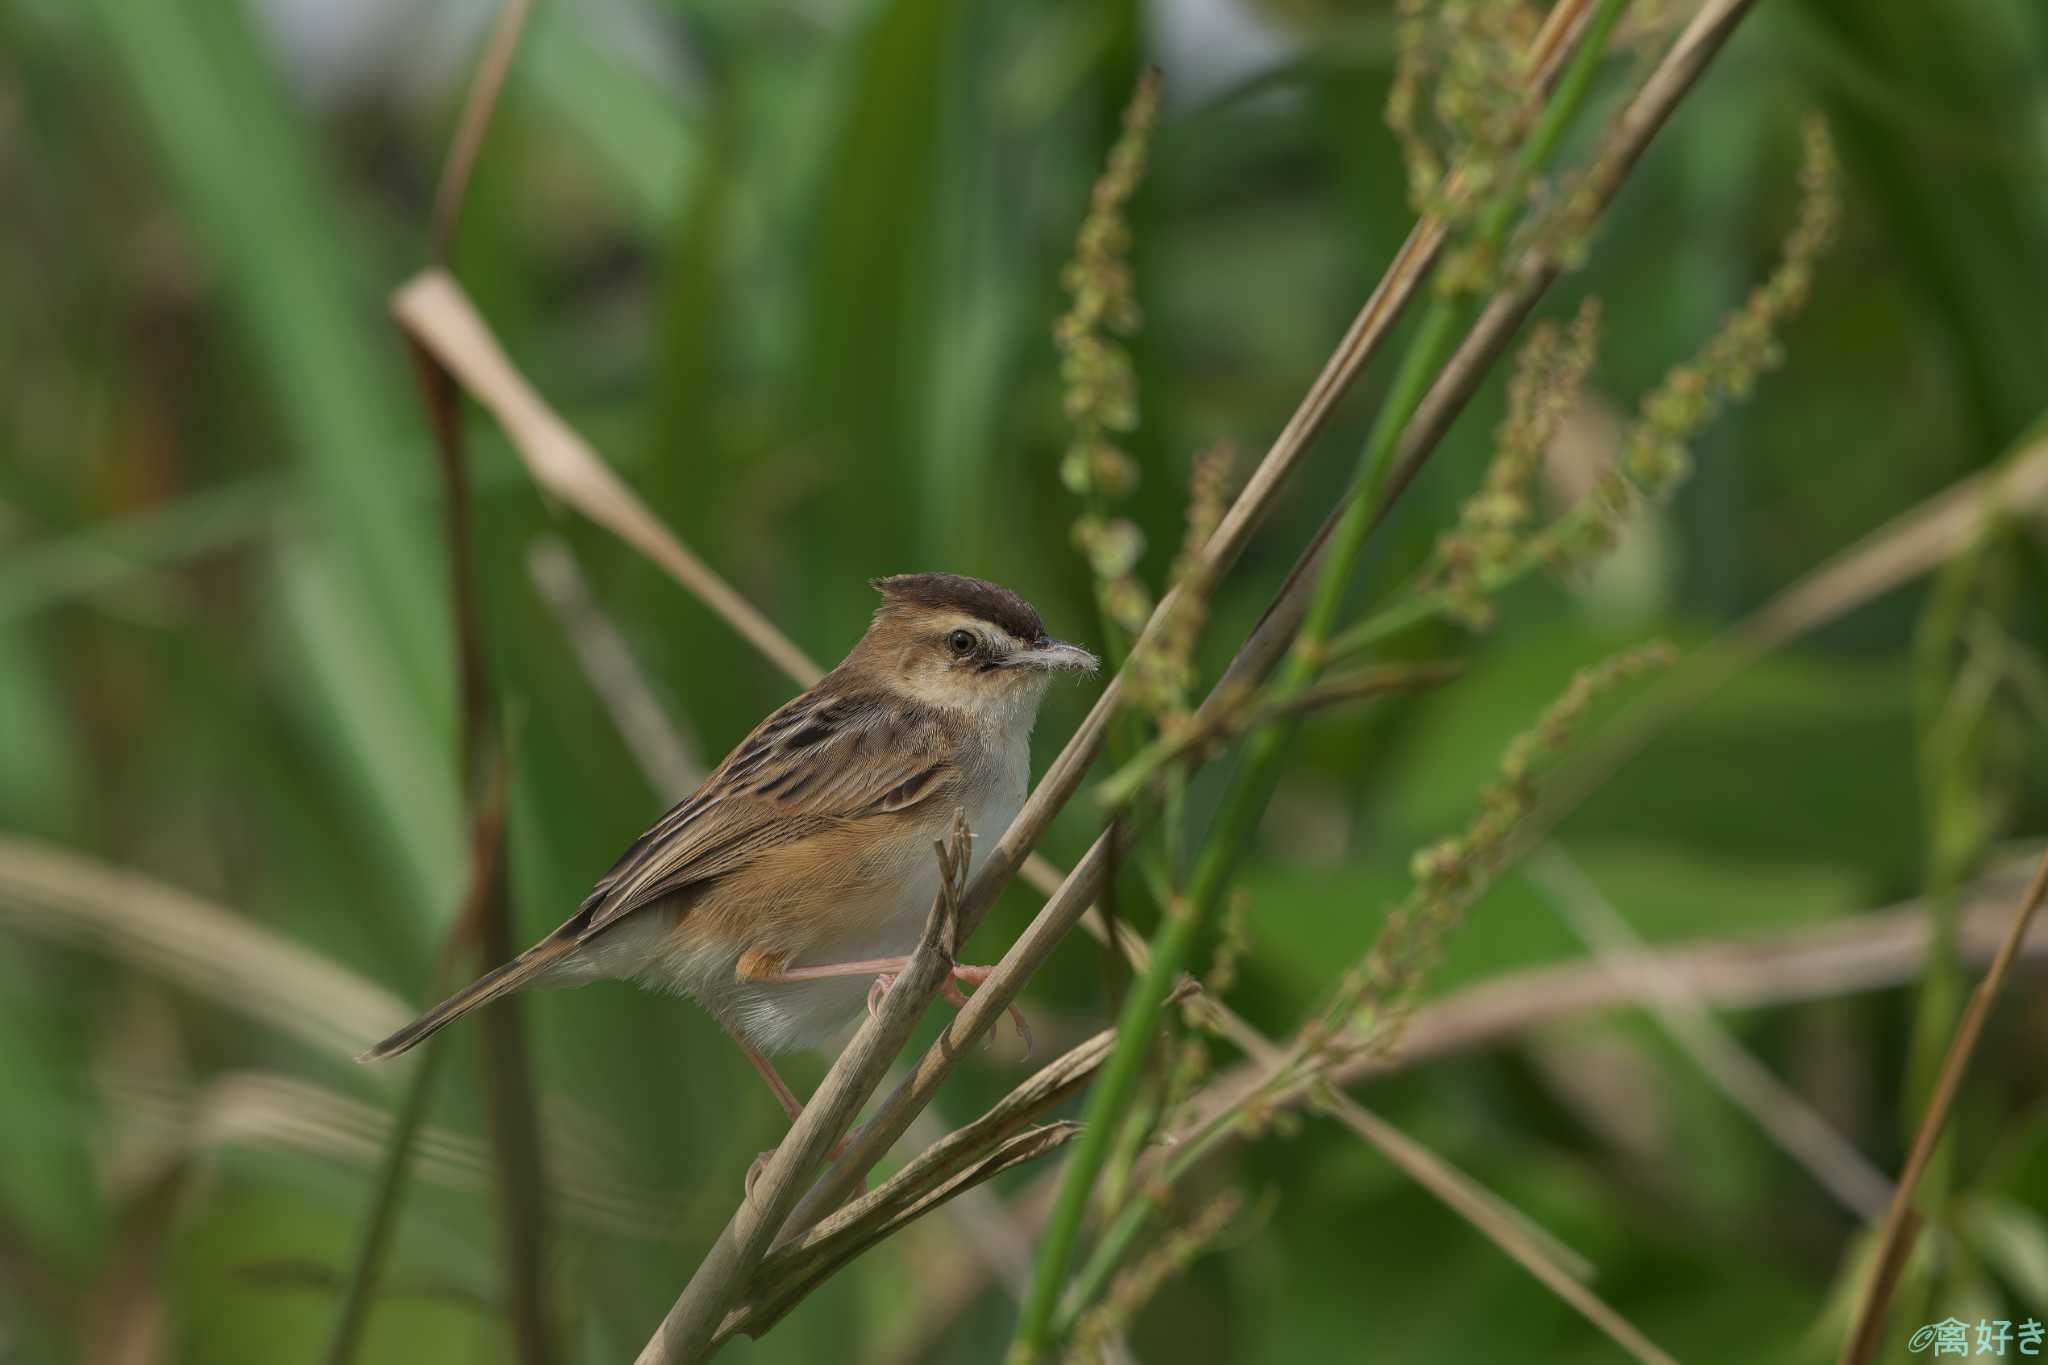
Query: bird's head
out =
(964, 643)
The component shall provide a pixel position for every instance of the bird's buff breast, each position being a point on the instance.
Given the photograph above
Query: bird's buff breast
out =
(849, 896)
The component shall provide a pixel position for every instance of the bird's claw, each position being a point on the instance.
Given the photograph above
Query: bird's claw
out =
(957, 998)
(975, 976)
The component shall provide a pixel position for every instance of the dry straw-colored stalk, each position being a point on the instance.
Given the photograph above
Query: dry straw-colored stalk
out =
(435, 312)
(688, 1330)
(993, 1142)
(1864, 952)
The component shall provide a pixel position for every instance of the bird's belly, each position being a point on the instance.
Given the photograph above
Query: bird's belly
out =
(777, 1016)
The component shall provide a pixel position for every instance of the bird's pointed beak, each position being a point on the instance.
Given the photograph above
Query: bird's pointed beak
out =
(1055, 656)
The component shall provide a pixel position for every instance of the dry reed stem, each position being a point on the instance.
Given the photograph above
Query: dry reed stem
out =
(122, 1315)
(480, 920)
(1871, 951)
(1901, 1224)
(1495, 328)
(437, 314)
(950, 1165)
(686, 1332)
(790, 1273)
(1902, 549)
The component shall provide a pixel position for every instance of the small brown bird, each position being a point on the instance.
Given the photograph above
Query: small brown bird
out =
(802, 869)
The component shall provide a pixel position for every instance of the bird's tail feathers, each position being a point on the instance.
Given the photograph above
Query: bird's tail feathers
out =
(499, 981)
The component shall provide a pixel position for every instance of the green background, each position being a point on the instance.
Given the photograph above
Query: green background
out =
(792, 268)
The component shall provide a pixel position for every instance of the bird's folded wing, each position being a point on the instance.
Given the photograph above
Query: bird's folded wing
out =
(817, 763)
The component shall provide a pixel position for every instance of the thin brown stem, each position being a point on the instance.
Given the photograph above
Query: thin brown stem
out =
(515, 1129)
(479, 104)
(514, 1123)
(443, 403)
(1495, 329)
(1901, 1224)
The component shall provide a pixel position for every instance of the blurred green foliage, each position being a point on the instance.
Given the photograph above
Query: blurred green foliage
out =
(793, 268)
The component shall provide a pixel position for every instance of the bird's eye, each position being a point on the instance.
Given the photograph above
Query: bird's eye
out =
(961, 642)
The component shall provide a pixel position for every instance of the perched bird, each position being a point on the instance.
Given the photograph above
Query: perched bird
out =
(802, 869)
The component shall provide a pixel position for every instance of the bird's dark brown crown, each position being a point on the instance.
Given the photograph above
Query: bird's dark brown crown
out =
(977, 597)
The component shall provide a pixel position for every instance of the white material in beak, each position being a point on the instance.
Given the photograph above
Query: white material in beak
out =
(1055, 656)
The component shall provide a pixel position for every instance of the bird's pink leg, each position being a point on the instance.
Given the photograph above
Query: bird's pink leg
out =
(873, 966)
(884, 970)
(791, 1106)
(974, 976)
